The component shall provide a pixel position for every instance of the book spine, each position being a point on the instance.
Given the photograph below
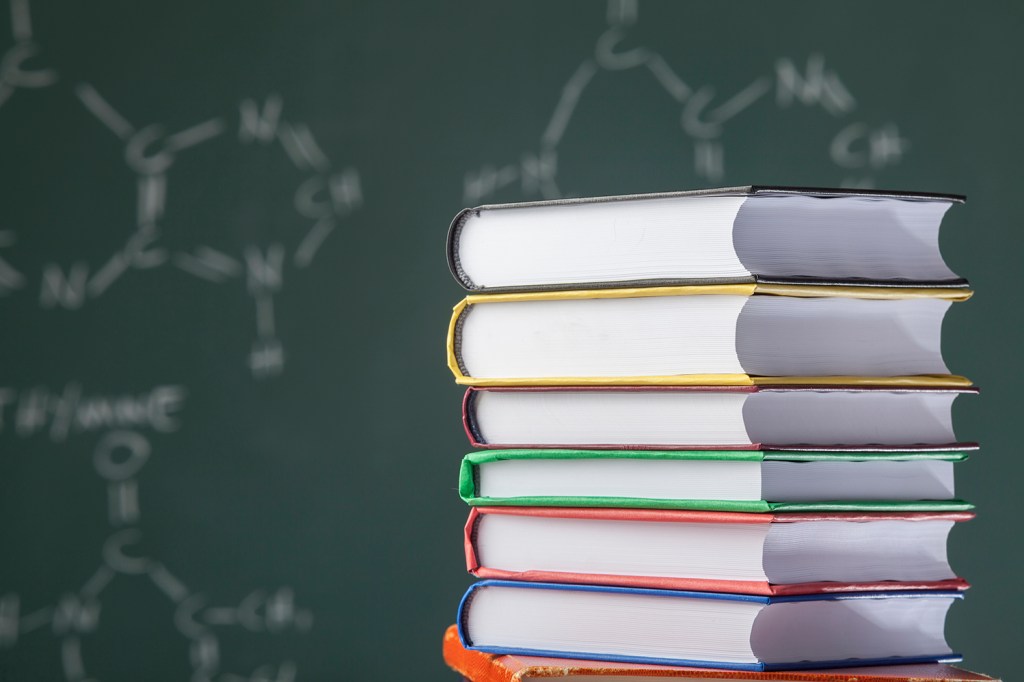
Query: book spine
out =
(474, 665)
(452, 249)
(469, 421)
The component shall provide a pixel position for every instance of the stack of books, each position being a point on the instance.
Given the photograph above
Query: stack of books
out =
(715, 434)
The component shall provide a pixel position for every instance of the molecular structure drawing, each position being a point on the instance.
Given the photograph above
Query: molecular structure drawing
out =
(118, 458)
(857, 149)
(323, 199)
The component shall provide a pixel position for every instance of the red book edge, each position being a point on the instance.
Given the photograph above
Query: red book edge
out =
(701, 584)
(482, 667)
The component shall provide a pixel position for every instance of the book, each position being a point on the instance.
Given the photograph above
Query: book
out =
(716, 480)
(706, 629)
(737, 334)
(743, 553)
(735, 234)
(478, 666)
(729, 417)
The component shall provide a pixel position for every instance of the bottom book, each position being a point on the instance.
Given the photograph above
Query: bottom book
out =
(477, 666)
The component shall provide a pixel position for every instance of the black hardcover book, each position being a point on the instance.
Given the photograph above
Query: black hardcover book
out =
(757, 233)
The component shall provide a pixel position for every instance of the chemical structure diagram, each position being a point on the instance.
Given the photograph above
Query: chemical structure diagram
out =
(324, 197)
(857, 149)
(322, 200)
(118, 457)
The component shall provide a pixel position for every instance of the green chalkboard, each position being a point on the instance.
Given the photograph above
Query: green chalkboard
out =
(229, 445)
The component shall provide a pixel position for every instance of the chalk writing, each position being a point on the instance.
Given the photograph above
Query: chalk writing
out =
(856, 151)
(118, 459)
(324, 197)
(70, 411)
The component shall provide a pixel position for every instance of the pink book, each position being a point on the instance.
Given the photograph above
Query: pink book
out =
(557, 544)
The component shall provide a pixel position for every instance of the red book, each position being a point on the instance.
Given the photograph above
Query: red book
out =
(759, 554)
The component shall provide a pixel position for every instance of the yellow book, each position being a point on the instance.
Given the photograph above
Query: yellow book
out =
(730, 334)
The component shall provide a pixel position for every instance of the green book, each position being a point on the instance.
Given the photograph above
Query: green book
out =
(717, 480)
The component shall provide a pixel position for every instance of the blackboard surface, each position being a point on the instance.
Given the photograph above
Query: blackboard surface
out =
(228, 441)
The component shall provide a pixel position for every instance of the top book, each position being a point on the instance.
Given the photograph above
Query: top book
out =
(736, 234)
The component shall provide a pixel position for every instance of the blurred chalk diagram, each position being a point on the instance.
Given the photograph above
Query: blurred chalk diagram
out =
(857, 150)
(124, 447)
(325, 196)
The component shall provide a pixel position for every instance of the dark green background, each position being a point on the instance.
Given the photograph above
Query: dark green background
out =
(337, 477)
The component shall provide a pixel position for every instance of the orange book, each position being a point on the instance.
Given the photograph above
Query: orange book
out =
(478, 666)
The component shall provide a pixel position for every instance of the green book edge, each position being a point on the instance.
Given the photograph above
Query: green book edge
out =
(467, 481)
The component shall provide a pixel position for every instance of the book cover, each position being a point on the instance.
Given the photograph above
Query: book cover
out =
(632, 211)
(471, 422)
(463, 377)
(856, 624)
(479, 666)
(468, 481)
(753, 587)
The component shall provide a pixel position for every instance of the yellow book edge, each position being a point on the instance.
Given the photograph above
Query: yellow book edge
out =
(938, 380)
(792, 290)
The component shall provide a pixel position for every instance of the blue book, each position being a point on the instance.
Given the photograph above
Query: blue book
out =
(705, 629)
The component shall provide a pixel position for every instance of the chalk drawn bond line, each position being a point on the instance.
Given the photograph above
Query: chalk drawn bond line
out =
(743, 99)
(152, 198)
(301, 147)
(123, 503)
(312, 242)
(35, 620)
(571, 93)
(205, 656)
(167, 583)
(221, 615)
(668, 79)
(265, 315)
(622, 12)
(199, 268)
(103, 111)
(218, 260)
(71, 658)
(9, 277)
(197, 134)
(97, 582)
(108, 273)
